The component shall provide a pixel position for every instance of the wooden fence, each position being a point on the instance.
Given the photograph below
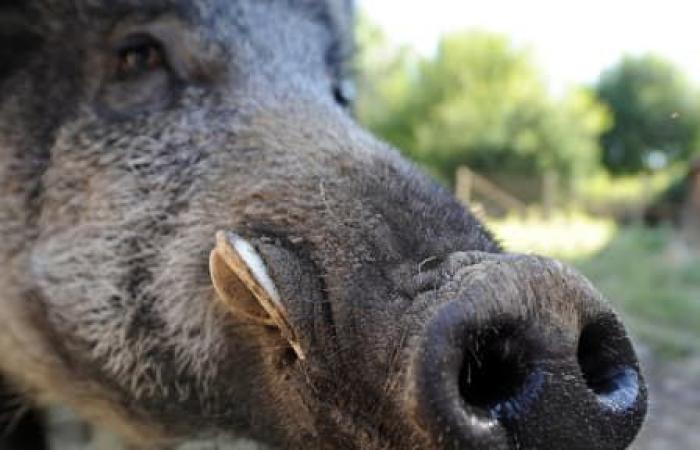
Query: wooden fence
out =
(472, 188)
(501, 194)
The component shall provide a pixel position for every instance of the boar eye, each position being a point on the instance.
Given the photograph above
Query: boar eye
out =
(138, 55)
(344, 93)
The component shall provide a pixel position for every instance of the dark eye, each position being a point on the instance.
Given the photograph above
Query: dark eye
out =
(137, 56)
(344, 93)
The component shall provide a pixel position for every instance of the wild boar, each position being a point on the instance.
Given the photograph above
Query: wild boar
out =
(199, 241)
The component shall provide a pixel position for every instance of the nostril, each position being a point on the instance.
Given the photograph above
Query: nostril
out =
(603, 354)
(497, 374)
(509, 380)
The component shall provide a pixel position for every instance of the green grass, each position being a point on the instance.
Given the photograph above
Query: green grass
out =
(564, 236)
(650, 277)
(655, 283)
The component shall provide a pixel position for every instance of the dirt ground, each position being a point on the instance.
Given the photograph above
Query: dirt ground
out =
(674, 411)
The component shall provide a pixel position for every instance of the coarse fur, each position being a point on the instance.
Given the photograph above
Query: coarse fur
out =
(111, 193)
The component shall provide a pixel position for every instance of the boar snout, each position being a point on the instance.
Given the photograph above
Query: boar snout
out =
(524, 347)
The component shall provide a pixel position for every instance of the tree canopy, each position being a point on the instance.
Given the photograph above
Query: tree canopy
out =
(655, 111)
(479, 101)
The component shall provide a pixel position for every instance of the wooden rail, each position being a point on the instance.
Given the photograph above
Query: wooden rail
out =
(469, 182)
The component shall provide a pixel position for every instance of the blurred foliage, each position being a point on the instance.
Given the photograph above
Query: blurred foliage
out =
(478, 101)
(482, 102)
(566, 236)
(605, 193)
(656, 114)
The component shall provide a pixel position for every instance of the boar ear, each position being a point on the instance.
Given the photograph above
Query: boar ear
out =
(17, 38)
(245, 288)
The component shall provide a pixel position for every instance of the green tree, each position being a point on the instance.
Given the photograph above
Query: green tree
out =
(478, 101)
(655, 112)
(385, 80)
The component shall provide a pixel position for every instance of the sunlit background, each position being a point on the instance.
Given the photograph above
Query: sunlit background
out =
(573, 129)
(573, 41)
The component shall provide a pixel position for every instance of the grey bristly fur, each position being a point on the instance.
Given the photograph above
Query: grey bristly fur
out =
(112, 190)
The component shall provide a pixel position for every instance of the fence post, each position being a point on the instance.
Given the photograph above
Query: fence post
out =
(550, 190)
(463, 187)
(646, 200)
(690, 216)
(468, 183)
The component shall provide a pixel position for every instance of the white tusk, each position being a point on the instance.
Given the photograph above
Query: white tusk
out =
(256, 265)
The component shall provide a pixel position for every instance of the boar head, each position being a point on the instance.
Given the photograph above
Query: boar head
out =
(349, 302)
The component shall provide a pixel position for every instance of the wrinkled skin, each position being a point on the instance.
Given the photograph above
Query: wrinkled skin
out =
(113, 188)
